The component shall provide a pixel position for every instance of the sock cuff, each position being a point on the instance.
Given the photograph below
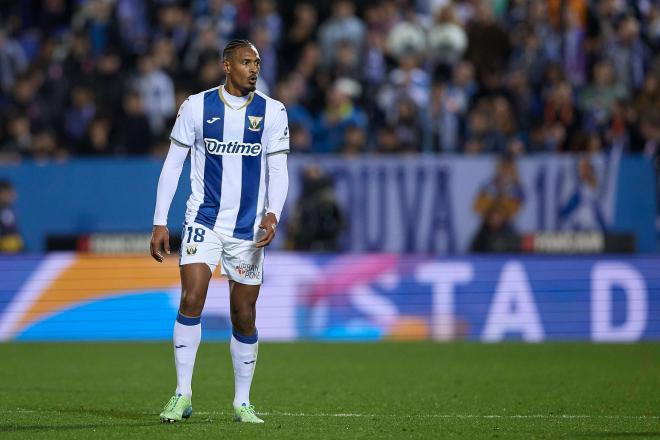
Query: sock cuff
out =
(188, 320)
(245, 339)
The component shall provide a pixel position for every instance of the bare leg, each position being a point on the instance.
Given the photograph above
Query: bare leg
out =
(195, 279)
(243, 302)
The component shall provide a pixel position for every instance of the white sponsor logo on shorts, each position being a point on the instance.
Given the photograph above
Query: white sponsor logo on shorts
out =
(247, 270)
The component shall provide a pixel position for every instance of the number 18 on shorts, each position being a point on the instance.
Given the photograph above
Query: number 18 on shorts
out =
(239, 259)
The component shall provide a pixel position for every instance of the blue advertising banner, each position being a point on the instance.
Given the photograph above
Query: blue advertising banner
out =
(431, 205)
(409, 204)
(363, 297)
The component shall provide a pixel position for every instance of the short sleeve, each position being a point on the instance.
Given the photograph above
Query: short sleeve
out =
(183, 133)
(278, 132)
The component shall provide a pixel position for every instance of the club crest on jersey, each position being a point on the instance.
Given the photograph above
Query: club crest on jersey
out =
(191, 249)
(255, 123)
(214, 146)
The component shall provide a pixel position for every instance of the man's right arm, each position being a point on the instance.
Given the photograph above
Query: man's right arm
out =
(167, 184)
(183, 138)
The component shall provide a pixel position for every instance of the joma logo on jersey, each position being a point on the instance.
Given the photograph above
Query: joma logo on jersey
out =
(214, 146)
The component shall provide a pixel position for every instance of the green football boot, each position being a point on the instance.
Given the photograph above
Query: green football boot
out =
(177, 409)
(245, 413)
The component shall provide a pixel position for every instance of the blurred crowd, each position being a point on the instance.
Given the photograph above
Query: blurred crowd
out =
(105, 77)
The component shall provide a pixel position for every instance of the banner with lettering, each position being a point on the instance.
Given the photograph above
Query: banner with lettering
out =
(362, 297)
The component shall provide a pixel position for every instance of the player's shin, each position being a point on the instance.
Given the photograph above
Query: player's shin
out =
(187, 335)
(244, 358)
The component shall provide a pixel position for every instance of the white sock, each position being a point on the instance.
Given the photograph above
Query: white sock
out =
(244, 358)
(187, 334)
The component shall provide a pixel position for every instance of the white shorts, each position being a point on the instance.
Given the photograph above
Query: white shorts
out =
(241, 260)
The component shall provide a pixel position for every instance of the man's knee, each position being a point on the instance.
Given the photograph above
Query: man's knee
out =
(192, 302)
(242, 315)
(195, 282)
(243, 319)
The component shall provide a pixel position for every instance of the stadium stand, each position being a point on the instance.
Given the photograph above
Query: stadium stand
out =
(104, 77)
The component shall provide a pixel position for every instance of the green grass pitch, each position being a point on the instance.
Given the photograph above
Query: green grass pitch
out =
(342, 391)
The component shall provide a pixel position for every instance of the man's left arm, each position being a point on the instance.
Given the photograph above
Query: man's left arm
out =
(278, 175)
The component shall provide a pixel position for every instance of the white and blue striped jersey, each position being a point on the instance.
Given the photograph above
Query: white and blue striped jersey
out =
(229, 146)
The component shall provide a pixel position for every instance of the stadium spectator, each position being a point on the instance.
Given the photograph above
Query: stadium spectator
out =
(45, 147)
(24, 98)
(651, 26)
(489, 46)
(597, 100)
(374, 64)
(317, 220)
(134, 133)
(79, 114)
(526, 103)
(355, 142)
(301, 138)
(10, 237)
(96, 18)
(406, 38)
(132, 22)
(54, 16)
(560, 110)
(165, 57)
(347, 62)
(108, 81)
(410, 83)
(581, 209)
(301, 32)
(205, 46)
(97, 140)
(482, 136)
(174, 23)
(267, 18)
(387, 140)
(407, 123)
(157, 92)
(574, 57)
(18, 139)
(629, 55)
(13, 61)
(78, 62)
(289, 92)
(502, 194)
(495, 234)
(339, 114)
(447, 38)
(450, 106)
(210, 72)
(648, 98)
(342, 27)
(529, 56)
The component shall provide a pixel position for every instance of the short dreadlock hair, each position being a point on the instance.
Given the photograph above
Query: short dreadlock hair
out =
(229, 49)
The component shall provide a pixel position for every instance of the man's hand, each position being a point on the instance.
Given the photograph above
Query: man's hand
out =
(160, 239)
(268, 224)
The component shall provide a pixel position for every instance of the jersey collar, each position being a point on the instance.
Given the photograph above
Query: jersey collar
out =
(245, 104)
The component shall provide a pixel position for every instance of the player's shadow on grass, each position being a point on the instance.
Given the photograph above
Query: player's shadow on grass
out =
(82, 426)
(129, 419)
